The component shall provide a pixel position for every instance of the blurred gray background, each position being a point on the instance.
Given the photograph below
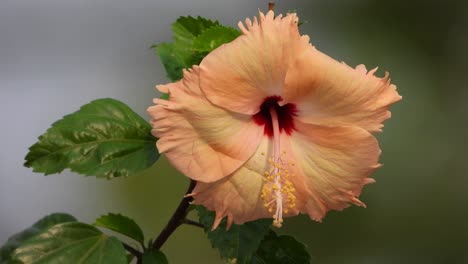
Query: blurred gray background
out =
(57, 55)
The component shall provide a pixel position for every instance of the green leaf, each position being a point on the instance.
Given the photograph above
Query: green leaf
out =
(283, 249)
(185, 29)
(214, 37)
(182, 53)
(105, 138)
(154, 257)
(240, 242)
(164, 96)
(121, 224)
(130, 258)
(71, 242)
(172, 63)
(16, 240)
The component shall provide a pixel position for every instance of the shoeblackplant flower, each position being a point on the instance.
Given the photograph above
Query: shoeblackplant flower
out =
(269, 126)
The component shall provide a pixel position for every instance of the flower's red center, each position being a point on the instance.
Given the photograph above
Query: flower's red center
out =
(286, 114)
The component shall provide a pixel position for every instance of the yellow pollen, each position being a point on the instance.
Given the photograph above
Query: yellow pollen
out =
(278, 191)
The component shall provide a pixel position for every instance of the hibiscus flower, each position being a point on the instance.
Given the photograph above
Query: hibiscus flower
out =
(269, 126)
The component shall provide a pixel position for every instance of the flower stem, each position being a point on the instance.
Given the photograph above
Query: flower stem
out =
(176, 220)
(271, 5)
(135, 252)
(193, 223)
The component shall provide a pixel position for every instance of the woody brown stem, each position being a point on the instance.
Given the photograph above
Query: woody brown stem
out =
(271, 6)
(135, 252)
(176, 220)
(193, 223)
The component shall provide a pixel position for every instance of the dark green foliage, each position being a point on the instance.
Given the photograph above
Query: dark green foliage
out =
(194, 38)
(185, 29)
(253, 242)
(70, 242)
(43, 224)
(105, 138)
(283, 249)
(121, 224)
(239, 242)
(214, 37)
(171, 60)
(154, 257)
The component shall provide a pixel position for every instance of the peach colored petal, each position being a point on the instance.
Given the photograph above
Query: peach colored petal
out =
(331, 93)
(204, 142)
(239, 75)
(328, 167)
(333, 164)
(237, 196)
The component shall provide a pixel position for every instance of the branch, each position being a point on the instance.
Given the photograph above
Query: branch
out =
(176, 220)
(271, 5)
(133, 251)
(193, 223)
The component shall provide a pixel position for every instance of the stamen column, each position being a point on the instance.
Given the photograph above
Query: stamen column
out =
(277, 190)
(278, 216)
